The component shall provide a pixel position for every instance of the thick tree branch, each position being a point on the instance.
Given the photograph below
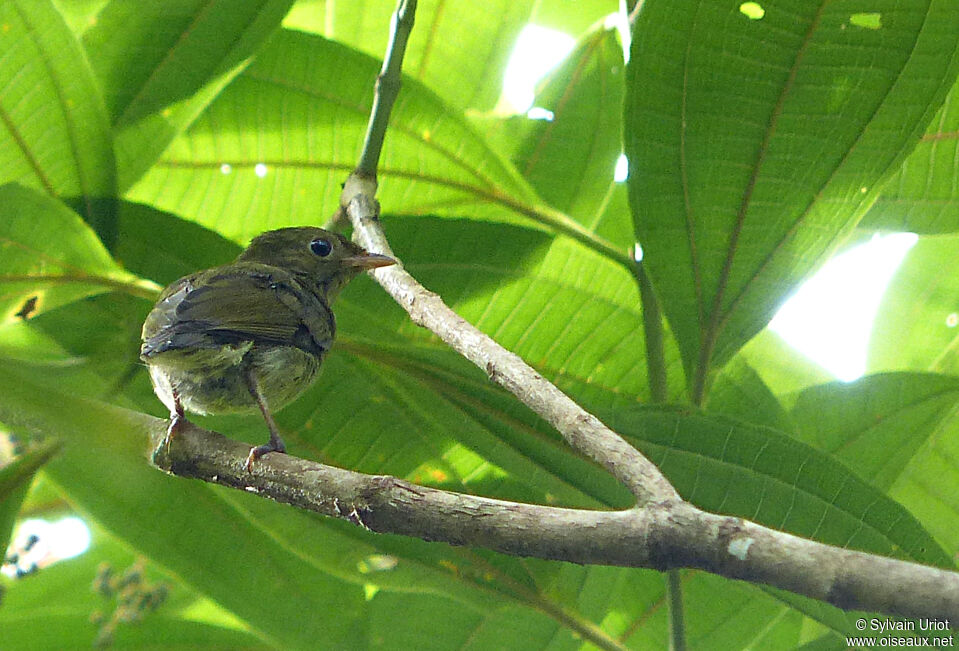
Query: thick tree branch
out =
(659, 536)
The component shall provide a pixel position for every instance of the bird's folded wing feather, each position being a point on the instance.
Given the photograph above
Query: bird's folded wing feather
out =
(262, 305)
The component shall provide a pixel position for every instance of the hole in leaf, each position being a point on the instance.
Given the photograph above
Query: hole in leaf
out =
(539, 113)
(377, 563)
(867, 20)
(638, 252)
(622, 169)
(28, 308)
(752, 10)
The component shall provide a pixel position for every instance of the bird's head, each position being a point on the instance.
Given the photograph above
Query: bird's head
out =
(326, 259)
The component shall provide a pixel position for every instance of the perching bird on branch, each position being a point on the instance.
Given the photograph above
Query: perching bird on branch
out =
(250, 334)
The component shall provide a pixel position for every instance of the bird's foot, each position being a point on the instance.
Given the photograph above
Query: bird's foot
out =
(275, 445)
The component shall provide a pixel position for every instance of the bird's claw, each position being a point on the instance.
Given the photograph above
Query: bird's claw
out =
(260, 450)
(176, 422)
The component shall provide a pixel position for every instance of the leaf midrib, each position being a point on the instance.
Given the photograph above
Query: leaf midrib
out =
(554, 219)
(717, 320)
(171, 53)
(67, 116)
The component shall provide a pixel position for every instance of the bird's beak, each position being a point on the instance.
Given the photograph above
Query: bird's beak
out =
(367, 260)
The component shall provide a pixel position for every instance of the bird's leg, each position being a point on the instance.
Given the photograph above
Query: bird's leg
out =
(276, 443)
(176, 421)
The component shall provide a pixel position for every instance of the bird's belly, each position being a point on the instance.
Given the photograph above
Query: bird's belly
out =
(213, 381)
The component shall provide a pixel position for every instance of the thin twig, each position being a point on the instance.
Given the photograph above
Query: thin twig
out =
(677, 624)
(653, 334)
(387, 88)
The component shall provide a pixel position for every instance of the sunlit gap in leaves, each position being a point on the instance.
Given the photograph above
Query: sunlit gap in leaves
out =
(537, 51)
(829, 318)
(40, 543)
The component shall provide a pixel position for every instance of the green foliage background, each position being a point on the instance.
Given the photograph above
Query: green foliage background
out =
(129, 137)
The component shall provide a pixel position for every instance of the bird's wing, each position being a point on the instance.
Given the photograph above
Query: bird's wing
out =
(235, 304)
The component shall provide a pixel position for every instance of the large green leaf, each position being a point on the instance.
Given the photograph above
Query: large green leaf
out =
(923, 196)
(147, 55)
(176, 57)
(570, 157)
(243, 171)
(20, 340)
(51, 257)
(139, 145)
(315, 97)
(928, 483)
(58, 631)
(916, 323)
(755, 145)
(745, 617)
(742, 617)
(898, 430)
(459, 49)
(878, 423)
(54, 132)
(727, 466)
(741, 393)
(162, 247)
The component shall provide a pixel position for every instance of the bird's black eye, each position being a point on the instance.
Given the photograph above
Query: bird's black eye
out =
(321, 247)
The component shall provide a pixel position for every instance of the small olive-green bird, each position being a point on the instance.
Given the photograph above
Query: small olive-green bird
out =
(251, 334)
